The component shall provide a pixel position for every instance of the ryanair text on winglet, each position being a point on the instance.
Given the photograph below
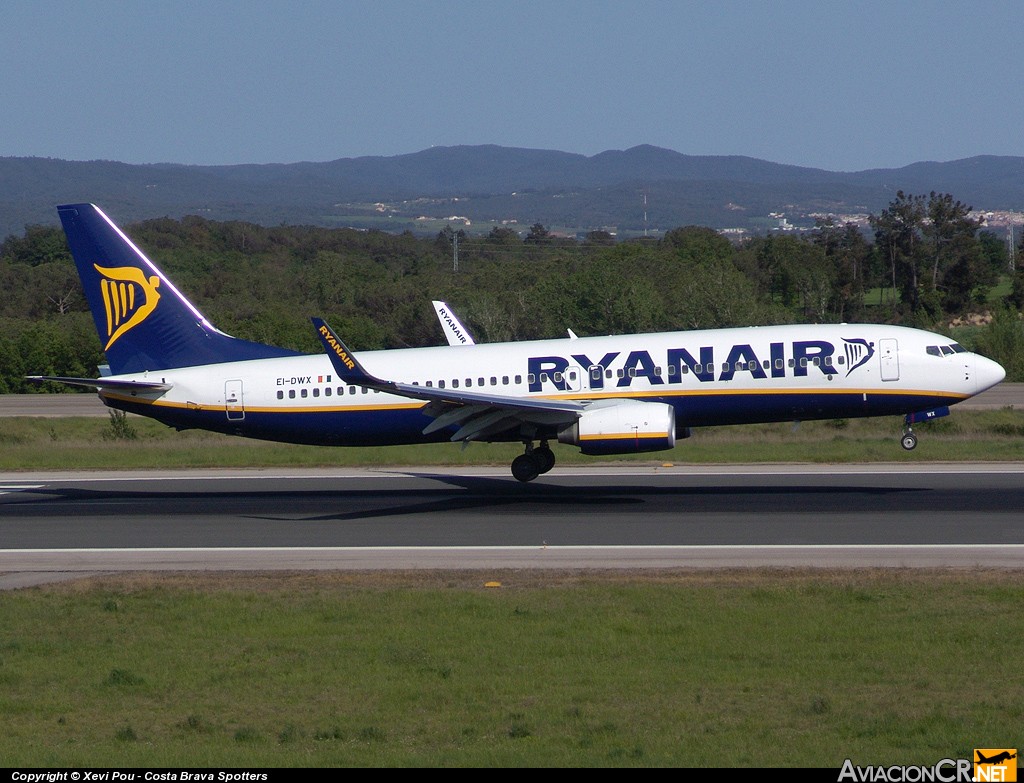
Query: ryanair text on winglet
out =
(336, 347)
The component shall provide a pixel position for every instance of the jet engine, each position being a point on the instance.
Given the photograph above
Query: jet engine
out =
(622, 427)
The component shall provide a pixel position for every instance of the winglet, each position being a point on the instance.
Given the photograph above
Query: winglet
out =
(345, 364)
(456, 333)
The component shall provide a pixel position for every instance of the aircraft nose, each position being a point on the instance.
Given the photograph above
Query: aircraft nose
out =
(987, 373)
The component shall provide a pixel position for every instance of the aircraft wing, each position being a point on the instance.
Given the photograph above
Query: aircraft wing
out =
(103, 383)
(477, 414)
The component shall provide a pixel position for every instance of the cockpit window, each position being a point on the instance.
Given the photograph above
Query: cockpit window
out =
(945, 350)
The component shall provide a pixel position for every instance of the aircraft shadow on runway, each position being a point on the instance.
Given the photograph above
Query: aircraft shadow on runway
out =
(480, 493)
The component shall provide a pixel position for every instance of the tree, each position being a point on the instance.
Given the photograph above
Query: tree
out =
(538, 235)
(850, 254)
(957, 268)
(602, 238)
(898, 237)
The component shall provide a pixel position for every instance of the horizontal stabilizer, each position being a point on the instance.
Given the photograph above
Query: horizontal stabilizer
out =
(103, 383)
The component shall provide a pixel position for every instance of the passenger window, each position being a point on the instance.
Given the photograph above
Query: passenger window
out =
(519, 379)
(699, 368)
(280, 394)
(595, 373)
(792, 362)
(304, 392)
(671, 370)
(557, 377)
(621, 373)
(316, 392)
(803, 361)
(430, 384)
(529, 378)
(351, 390)
(657, 372)
(440, 384)
(365, 390)
(455, 383)
(327, 392)
(778, 364)
(480, 381)
(543, 377)
(469, 383)
(291, 394)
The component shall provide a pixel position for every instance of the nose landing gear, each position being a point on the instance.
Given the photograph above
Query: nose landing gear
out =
(533, 462)
(909, 439)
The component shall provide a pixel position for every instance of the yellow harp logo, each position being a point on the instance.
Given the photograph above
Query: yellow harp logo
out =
(128, 297)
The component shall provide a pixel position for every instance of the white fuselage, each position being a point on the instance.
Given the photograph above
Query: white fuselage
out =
(721, 376)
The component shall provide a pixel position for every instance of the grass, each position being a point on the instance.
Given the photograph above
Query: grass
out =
(670, 669)
(94, 443)
(877, 297)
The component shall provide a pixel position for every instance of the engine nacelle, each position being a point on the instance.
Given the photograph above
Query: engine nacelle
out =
(623, 427)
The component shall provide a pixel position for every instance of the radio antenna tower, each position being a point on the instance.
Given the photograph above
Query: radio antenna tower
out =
(1013, 250)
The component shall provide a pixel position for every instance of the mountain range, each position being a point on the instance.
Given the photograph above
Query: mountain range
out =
(639, 189)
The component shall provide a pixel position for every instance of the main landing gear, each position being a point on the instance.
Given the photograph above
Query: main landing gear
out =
(529, 465)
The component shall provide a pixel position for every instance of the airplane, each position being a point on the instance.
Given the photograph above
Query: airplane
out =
(999, 758)
(617, 394)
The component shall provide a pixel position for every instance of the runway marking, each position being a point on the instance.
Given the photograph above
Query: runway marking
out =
(521, 548)
(6, 489)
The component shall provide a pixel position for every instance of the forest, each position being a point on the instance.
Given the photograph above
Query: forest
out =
(926, 262)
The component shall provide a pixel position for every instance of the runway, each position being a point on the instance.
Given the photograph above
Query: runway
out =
(61, 526)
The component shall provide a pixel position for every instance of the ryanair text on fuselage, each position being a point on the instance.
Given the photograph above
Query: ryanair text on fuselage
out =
(779, 362)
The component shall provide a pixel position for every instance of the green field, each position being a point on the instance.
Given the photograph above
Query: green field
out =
(770, 668)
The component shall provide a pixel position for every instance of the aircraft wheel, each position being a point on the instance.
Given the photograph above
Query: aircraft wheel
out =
(545, 458)
(909, 441)
(525, 467)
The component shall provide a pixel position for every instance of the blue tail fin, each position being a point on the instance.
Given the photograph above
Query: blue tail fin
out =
(144, 322)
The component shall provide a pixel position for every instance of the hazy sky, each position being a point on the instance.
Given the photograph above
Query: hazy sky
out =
(836, 85)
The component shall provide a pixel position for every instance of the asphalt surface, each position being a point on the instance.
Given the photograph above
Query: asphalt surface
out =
(58, 526)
